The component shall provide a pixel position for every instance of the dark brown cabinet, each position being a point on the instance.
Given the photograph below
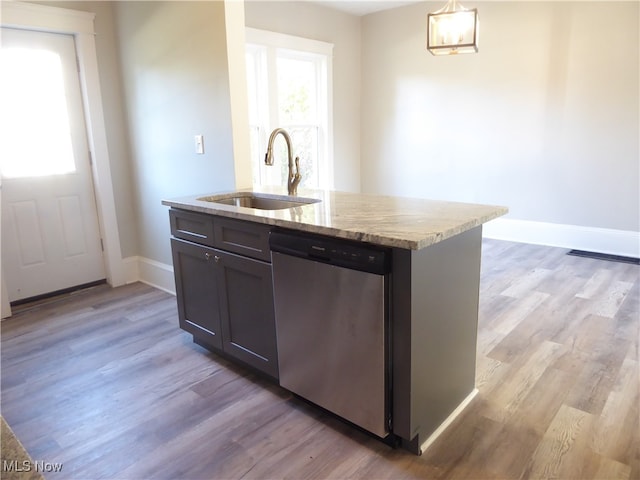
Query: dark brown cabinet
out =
(196, 291)
(224, 299)
(245, 294)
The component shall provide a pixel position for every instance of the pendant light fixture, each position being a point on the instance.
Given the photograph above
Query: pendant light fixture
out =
(453, 29)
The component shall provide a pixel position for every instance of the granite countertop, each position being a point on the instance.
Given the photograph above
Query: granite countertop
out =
(402, 222)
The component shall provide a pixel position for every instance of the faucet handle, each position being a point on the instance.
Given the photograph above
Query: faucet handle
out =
(294, 179)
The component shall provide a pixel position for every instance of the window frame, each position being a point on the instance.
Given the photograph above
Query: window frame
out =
(272, 42)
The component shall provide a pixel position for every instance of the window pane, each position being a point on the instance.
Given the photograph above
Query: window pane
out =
(297, 91)
(305, 140)
(253, 59)
(35, 139)
(256, 157)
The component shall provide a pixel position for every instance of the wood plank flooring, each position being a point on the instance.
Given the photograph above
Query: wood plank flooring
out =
(104, 382)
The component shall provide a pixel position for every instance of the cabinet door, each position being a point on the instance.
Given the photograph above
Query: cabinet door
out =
(247, 312)
(194, 269)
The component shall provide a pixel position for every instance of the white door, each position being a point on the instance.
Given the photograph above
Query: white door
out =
(50, 232)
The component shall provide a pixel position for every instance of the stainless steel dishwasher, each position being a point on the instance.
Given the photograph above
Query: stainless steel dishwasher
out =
(332, 325)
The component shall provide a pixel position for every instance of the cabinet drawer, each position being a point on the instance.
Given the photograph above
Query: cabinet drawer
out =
(195, 227)
(245, 238)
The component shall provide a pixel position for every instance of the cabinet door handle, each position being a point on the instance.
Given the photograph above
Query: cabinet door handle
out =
(208, 256)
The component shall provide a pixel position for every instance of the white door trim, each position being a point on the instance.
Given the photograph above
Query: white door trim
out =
(80, 25)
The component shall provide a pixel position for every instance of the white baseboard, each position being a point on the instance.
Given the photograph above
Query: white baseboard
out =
(448, 421)
(590, 239)
(151, 272)
(5, 307)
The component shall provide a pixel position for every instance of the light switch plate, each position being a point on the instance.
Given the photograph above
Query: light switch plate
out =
(199, 144)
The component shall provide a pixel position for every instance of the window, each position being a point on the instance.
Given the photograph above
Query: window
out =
(288, 80)
(34, 123)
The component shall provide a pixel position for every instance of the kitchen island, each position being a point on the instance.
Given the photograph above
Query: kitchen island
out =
(432, 295)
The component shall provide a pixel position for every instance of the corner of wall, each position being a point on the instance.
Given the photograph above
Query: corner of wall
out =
(234, 25)
(151, 272)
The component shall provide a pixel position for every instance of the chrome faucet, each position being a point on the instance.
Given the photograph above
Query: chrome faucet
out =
(294, 178)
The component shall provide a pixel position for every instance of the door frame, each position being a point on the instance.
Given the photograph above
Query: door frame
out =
(81, 25)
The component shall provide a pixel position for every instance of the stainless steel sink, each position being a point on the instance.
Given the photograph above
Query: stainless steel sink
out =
(260, 201)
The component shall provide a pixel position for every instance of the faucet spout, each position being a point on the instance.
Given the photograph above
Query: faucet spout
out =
(294, 176)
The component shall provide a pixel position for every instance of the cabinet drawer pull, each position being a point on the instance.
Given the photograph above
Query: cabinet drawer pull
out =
(216, 258)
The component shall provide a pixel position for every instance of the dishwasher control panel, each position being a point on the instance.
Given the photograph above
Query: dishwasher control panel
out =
(343, 253)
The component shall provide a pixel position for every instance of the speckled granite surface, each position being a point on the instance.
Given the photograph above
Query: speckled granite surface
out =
(409, 223)
(16, 463)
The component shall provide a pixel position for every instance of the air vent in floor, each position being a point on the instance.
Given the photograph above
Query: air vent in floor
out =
(604, 256)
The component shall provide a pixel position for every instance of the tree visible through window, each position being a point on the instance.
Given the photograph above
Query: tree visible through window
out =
(288, 87)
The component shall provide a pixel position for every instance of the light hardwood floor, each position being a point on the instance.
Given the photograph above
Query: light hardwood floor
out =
(105, 382)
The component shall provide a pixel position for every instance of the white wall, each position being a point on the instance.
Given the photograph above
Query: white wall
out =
(308, 20)
(176, 85)
(545, 119)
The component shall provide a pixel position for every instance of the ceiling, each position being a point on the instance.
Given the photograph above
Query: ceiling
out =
(364, 7)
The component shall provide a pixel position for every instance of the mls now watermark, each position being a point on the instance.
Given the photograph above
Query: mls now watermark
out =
(30, 466)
